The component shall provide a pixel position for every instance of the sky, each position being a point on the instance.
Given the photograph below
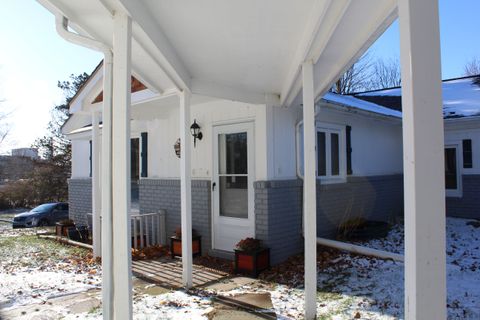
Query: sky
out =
(33, 58)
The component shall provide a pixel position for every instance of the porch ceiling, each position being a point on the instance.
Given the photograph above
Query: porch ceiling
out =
(239, 50)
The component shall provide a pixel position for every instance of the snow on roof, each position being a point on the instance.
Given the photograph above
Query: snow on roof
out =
(461, 96)
(351, 101)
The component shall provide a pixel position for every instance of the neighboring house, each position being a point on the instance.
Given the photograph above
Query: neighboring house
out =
(461, 110)
(25, 152)
(245, 169)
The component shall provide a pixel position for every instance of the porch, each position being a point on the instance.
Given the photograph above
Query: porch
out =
(268, 54)
(167, 272)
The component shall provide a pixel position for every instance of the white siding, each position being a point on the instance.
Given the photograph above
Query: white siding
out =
(455, 136)
(376, 143)
(80, 159)
(164, 132)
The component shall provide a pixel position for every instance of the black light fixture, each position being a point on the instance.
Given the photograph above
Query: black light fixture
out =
(195, 131)
(177, 147)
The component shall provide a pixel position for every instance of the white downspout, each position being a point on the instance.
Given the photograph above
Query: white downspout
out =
(61, 24)
(345, 246)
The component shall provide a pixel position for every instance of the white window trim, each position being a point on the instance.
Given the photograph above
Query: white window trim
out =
(137, 136)
(340, 130)
(456, 193)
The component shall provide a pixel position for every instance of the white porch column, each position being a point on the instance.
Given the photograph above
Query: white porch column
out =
(185, 187)
(309, 192)
(122, 258)
(106, 219)
(96, 198)
(423, 161)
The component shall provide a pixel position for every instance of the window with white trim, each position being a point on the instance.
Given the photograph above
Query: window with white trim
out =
(331, 152)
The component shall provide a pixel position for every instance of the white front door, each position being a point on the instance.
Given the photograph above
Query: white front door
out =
(232, 185)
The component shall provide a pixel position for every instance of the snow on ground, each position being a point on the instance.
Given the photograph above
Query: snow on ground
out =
(369, 288)
(176, 305)
(33, 270)
(350, 287)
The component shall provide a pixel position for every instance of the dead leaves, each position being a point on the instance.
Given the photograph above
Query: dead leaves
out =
(151, 252)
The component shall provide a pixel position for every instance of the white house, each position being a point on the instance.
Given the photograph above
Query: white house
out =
(359, 163)
(461, 111)
(242, 69)
(359, 166)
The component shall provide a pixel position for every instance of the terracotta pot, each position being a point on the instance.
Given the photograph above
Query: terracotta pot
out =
(61, 229)
(176, 246)
(252, 263)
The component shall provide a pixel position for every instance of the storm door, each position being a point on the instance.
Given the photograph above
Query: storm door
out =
(232, 185)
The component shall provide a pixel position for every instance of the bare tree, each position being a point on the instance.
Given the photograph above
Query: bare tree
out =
(385, 74)
(5, 126)
(356, 78)
(472, 67)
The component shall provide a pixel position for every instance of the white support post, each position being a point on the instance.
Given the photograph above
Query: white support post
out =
(423, 161)
(309, 192)
(106, 217)
(96, 196)
(185, 188)
(122, 259)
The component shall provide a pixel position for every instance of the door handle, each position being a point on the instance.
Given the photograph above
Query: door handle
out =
(213, 186)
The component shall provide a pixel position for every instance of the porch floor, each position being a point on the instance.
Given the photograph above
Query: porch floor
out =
(167, 272)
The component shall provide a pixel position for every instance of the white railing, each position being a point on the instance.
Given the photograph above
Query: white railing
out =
(148, 229)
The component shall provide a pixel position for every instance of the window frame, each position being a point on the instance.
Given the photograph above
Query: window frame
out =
(458, 192)
(328, 129)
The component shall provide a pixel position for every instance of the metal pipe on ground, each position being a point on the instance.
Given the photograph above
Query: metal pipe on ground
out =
(353, 248)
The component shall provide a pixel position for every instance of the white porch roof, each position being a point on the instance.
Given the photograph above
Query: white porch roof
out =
(239, 50)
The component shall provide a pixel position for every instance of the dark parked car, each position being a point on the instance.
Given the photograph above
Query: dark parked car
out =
(43, 215)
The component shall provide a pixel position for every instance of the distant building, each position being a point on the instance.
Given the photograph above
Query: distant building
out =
(25, 152)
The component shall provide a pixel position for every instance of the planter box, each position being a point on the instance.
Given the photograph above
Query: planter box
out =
(252, 263)
(176, 246)
(61, 230)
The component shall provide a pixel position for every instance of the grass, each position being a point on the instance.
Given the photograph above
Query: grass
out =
(22, 248)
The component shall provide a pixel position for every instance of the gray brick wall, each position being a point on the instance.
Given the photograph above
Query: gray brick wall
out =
(157, 194)
(278, 208)
(278, 217)
(468, 206)
(375, 198)
(80, 200)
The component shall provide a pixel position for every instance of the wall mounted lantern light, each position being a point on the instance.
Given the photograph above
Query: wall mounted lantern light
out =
(177, 147)
(195, 131)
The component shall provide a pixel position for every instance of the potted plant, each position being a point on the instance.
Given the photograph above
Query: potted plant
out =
(176, 243)
(251, 257)
(61, 227)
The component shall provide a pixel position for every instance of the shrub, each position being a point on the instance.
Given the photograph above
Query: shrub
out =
(249, 245)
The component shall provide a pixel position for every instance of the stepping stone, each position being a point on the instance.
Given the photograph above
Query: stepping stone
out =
(243, 306)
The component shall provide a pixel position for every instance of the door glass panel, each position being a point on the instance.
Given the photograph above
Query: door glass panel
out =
(334, 148)
(233, 171)
(233, 197)
(451, 168)
(321, 154)
(232, 149)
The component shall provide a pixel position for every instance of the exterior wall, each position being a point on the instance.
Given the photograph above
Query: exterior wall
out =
(376, 142)
(372, 197)
(164, 194)
(80, 158)
(163, 132)
(278, 208)
(80, 200)
(278, 217)
(468, 206)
